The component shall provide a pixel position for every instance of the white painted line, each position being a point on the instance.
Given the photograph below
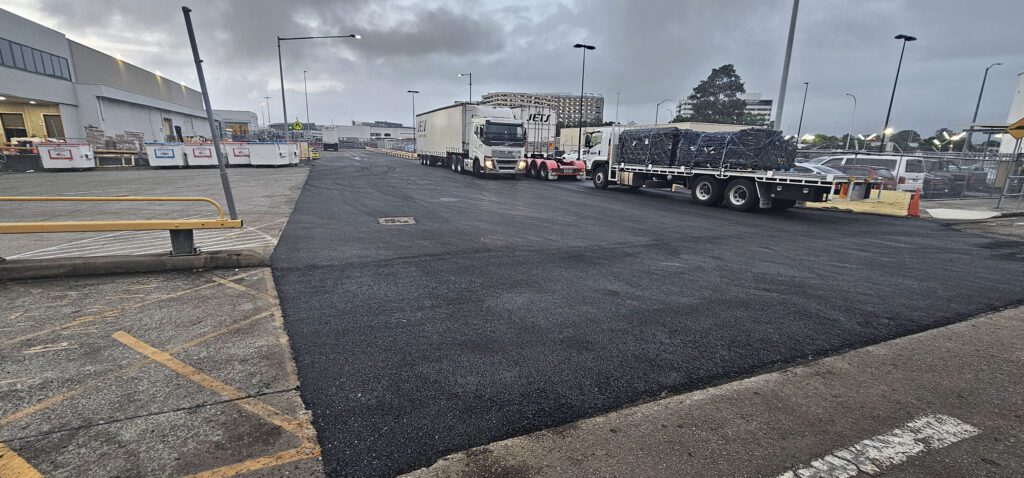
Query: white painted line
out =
(877, 453)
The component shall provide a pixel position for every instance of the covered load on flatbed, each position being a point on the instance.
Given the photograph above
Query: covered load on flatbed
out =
(751, 148)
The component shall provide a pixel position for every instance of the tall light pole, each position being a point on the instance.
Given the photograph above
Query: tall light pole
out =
(305, 91)
(413, 93)
(974, 119)
(888, 114)
(280, 68)
(785, 66)
(800, 125)
(470, 75)
(583, 76)
(853, 116)
(657, 109)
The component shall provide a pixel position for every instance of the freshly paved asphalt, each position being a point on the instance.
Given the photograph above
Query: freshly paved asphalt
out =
(516, 305)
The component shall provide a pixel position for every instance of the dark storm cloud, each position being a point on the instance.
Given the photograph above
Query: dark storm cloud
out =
(648, 49)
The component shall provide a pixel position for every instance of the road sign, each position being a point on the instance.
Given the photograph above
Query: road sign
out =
(297, 126)
(1016, 129)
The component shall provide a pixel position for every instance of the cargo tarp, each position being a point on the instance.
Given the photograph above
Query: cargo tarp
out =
(751, 148)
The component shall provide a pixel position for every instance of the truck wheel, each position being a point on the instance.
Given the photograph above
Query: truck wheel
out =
(741, 194)
(476, 168)
(460, 166)
(545, 174)
(782, 204)
(531, 170)
(601, 177)
(706, 191)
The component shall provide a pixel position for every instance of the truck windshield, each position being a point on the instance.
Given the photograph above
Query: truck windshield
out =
(498, 133)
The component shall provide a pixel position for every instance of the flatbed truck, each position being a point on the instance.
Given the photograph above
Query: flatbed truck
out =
(738, 189)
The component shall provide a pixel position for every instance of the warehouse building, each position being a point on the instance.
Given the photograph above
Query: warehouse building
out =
(53, 87)
(567, 105)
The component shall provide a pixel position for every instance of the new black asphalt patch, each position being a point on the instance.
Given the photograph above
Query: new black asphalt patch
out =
(516, 305)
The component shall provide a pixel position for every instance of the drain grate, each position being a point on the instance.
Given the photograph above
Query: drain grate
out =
(396, 221)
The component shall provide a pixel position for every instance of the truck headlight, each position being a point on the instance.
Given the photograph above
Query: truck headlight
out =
(522, 165)
(488, 163)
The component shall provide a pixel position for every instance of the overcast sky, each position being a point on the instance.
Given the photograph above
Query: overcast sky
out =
(648, 50)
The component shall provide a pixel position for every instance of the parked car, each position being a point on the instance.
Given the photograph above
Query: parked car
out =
(908, 170)
(816, 169)
(873, 173)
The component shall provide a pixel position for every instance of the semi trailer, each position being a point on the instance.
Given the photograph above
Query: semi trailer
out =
(711, 178)
(467, 137)
(541, 162)
(331, 139)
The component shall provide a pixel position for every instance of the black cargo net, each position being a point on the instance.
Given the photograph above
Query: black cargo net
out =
(751, 148)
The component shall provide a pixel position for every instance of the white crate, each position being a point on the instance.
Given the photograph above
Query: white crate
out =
(66, 156)
(165, 155)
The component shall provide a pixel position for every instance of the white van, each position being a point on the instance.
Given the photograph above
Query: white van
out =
(909, 170)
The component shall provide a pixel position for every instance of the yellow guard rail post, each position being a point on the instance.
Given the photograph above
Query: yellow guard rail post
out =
(182, 240)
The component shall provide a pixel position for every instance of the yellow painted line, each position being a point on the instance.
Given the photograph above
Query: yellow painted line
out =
(255, 406)
(61, 397)
(282, 337)
(237, 286)
(295, 454)
(14, 466)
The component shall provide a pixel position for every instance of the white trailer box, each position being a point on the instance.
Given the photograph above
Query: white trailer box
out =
(200, 154)
(293, 153)
(66, 156)
(239, 154)
(540, 122)
(330, 139)
(165, 155)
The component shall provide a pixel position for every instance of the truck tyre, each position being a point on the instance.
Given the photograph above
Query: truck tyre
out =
(531, 170)
(601, 177)
(782, 205)
(741, 194)
(476, 169)
(545, 174)
(706, 191)
(460, 166)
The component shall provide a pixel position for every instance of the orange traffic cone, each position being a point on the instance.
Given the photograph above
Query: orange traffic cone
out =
(915, 204)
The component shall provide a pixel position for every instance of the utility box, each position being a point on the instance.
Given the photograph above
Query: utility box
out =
(66, 156)
(200, 154)
(165, 155)
(238, 153)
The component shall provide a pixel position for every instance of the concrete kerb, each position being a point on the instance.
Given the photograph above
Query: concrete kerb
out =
(22, 269)
(400, 154)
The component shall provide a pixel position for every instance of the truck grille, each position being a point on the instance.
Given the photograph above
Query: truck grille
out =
(506, 153)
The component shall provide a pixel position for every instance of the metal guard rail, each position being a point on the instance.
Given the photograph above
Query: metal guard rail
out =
(182, 242)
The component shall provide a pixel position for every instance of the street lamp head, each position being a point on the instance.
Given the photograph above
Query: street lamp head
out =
(356, 36)
(889, 131)
(905, 37)
(465, 74)
(412, 91)
(588, 47)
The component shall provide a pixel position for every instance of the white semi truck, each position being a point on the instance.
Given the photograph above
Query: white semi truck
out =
(739, 189)
(330, 140)
(468, 137)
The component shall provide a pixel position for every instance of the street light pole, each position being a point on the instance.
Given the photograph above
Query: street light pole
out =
(583, 76)
(785, 66)
(888, 114)
(800, 125)
(413, 94)
(974, 119)
(470, 75)
(657, 109)
(305, 91)
(280, 68)
(853, 116)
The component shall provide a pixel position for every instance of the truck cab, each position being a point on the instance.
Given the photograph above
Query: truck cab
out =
(496, 146)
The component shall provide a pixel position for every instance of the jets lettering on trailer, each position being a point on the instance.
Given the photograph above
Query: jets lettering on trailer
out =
(539, 118)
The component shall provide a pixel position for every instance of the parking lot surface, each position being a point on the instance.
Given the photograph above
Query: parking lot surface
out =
(264, 197)
(511, 306)
(163, 374)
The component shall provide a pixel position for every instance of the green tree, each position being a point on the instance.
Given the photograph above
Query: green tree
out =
(717, 98)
